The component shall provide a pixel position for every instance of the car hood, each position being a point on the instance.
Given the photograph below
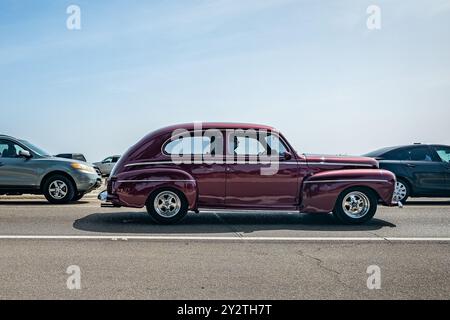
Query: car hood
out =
(342, 161)
(63, 160)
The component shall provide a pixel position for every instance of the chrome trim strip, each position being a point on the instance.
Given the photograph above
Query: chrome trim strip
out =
(251, 162)
(147, 163)
(340, 164)
(206, 162)
(155, 180)
(345, 180)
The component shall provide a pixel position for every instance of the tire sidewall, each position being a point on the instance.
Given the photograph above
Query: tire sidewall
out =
(70, 193)
(78, 196)
(163, 220)
(339, 213)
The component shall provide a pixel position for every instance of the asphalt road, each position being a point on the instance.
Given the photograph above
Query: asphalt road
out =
(122, 254)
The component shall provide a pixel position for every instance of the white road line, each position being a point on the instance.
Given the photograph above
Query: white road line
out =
(206, 238)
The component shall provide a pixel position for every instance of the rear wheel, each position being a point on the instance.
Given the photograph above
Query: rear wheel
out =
(355, 206)
(58, 189)
(401, 192)
(167, 206)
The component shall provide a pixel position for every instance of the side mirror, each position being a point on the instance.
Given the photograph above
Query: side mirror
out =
(25, 154)
(287, 156)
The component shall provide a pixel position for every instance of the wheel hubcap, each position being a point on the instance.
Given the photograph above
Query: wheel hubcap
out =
(399, 192)
(356, 204)
(167, 204)
(58, 189)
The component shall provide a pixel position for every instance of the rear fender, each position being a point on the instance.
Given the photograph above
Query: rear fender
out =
(320, 191)
(133, 188)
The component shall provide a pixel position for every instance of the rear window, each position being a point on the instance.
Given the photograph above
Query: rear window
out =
(378, 153)
(398, 154)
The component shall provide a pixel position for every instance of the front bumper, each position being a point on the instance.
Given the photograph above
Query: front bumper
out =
(86, 182)
(106, 199)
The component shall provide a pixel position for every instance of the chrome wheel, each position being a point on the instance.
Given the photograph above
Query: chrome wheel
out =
(356, 204)
(400, 191)
(167, 204)
(58, 189)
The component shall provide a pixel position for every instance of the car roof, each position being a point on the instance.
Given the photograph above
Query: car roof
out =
(385, 150)
(213, 125)
(7, 137)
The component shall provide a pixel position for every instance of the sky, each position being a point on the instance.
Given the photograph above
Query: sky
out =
(311, 68)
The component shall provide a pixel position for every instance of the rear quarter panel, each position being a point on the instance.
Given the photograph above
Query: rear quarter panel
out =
(133, 188)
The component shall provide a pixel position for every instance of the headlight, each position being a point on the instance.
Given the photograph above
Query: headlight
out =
(83, 168)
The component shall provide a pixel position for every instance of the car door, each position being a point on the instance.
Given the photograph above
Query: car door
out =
(426, 171)
(251, 182)
(16, 172)
(208, 172)
(444, 155)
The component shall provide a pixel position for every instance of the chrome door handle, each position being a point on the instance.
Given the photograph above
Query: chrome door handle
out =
(411, 165)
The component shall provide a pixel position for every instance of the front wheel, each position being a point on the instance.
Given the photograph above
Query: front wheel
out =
(78, 196)
(58, 189)
(167, 206)
(355, 206)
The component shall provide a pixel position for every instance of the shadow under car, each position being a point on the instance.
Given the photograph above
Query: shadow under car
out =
(219, 222)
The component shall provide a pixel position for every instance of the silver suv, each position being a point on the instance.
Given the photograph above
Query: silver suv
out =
(107, 165)
(27, 169)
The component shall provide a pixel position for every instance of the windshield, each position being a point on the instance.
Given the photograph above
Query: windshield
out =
(35, 149)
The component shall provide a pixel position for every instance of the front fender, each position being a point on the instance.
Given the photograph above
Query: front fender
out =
(320, 191)
(133, 188)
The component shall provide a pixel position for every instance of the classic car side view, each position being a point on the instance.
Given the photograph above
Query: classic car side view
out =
(27, 169)
(191, 166)
(422, 170)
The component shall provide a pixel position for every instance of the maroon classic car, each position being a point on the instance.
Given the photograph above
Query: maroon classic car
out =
(189, 167)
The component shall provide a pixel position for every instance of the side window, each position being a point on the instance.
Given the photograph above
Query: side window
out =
(420, 154)
(79, 157)
(251, 145)
(107, 160)
(9, 149)
(245, 145)
(203, 145)
(444, 153)
(275, 145)
(115, 159)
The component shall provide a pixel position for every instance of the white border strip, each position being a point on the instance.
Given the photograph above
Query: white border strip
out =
(208, 238)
